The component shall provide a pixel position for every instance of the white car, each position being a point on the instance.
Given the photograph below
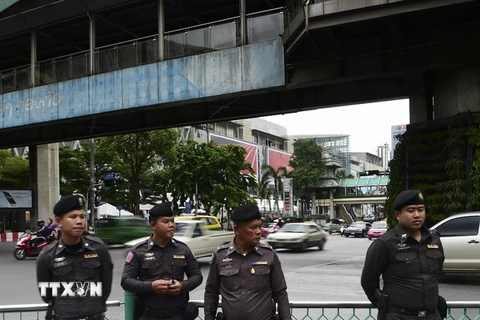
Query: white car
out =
(299, 236)
(194, 233)
(460, 235)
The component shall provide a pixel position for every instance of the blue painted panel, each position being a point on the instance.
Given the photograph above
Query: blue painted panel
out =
(74, 98)
(215, 73)
(252, 67)
(16, 106)
(263, 66)
(174, 85)
(140, 86)
(44, 103)
(105, 92)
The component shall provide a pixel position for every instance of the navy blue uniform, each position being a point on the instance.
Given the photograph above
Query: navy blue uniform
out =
(410, 271)
(88, 261)
(147, 262)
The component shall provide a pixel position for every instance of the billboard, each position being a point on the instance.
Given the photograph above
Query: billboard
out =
(16, 199)
(277, 159)
(397, 130)
(252, 150)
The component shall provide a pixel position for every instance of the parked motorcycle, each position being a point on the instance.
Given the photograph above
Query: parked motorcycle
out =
(24, 248)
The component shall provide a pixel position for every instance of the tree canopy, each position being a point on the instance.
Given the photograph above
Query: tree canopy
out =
(309, 166)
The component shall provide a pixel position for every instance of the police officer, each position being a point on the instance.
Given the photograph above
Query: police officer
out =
(154, 270)
(82, 261)
(247, 274)
(410, 259)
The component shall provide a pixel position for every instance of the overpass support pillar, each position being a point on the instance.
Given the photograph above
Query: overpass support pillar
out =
(45, 179)
(421, 100)
(457, 91)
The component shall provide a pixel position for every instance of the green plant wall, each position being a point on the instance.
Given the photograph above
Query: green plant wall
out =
(441, 159)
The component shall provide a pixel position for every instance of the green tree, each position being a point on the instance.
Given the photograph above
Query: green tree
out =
(309, 165)
(14, 171)
(133, 157)
(276, 175)
(220, 173)
(74, 170)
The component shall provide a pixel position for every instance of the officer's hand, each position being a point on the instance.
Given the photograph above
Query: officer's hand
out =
(175, 288)
(160, 286)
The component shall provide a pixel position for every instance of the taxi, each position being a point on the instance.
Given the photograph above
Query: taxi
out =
(211, 223)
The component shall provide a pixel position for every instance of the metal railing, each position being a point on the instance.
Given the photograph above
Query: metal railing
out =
(313, 310)
(213, 36)
(35, 311)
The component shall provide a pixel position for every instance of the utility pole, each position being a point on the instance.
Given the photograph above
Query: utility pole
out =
(91, 193)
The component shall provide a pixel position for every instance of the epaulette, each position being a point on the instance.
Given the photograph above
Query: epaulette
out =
(266, 246)
(140, 243)
(48, 247)
(434, 233)
(388, 235)
(222, 247)
(93, 239)
(178, 241)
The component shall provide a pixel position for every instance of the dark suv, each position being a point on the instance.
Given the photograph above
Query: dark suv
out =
(357, 229)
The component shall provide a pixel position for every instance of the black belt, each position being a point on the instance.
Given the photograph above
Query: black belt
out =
(162, 313)
(98, 316)
(410, 312)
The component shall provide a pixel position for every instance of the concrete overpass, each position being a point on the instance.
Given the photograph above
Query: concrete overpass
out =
(71, 79)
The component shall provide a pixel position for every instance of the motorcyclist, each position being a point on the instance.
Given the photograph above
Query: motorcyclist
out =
(52, 230)
(42, 233)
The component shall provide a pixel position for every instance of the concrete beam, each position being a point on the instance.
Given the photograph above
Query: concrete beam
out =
(375, 12)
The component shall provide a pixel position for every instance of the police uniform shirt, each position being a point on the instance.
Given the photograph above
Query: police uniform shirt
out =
(147, 262)
(410, 269)
(89, 262)
(247, 283)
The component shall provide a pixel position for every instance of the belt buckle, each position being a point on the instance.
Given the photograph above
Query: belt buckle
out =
(422, 313)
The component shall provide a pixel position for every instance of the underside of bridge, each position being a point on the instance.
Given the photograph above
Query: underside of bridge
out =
(362, 55)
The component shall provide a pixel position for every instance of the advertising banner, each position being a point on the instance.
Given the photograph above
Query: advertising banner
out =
(15, 199)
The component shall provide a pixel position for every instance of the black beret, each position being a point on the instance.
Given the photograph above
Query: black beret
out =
(69, 203)
(406, 198)
(246, 212)
(160, 210)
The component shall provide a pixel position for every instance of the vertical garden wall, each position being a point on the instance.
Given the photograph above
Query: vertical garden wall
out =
(442, 159)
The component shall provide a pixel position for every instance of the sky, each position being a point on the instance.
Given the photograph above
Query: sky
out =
(369, 125)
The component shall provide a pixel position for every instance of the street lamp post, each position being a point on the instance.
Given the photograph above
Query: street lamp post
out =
(91, 204)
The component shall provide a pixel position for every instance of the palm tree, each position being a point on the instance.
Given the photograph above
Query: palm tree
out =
(264, 190)
(276, 175)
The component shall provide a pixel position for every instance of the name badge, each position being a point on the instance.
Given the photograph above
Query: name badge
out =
(257, 263)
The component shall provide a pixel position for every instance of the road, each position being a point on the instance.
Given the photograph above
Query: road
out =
(329, 275)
